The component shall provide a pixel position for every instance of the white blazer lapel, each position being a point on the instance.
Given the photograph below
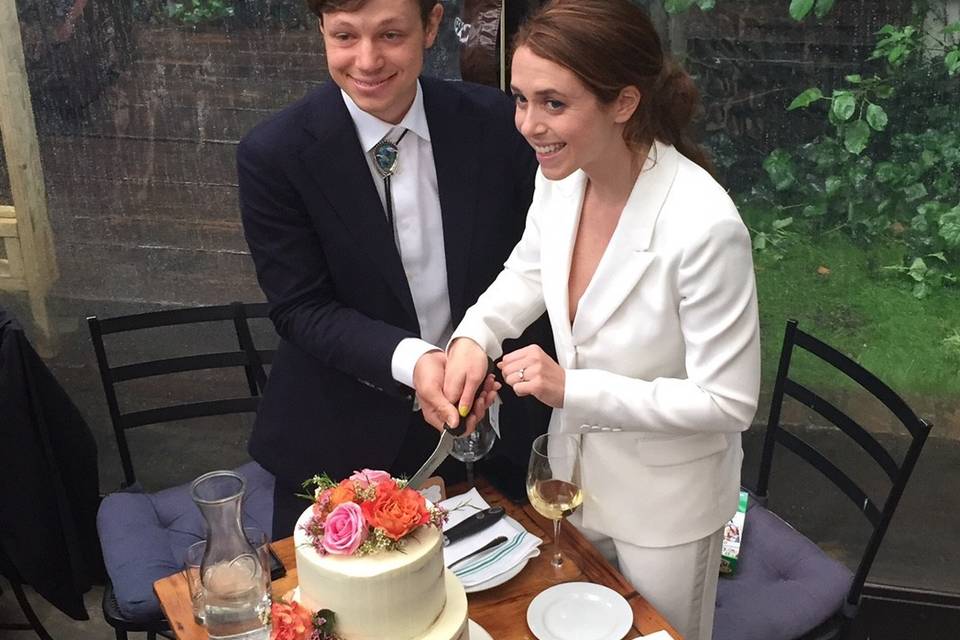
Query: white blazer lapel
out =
(559, 217)
(627, 257)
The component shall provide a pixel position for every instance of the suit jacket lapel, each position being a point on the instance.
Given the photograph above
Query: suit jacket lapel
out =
(337, 163)
(456, 139)
(560, 218)
(627, 257)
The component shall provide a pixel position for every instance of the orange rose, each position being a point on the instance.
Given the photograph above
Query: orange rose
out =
(396, 511)
(290, 621)
(343, 492)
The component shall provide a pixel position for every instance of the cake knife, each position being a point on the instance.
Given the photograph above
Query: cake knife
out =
(446, 443)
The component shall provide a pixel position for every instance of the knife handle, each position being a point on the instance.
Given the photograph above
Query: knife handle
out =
(461, 427)
(474, 524)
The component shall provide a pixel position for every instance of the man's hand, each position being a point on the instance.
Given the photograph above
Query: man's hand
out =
(428, 384)
(531, 372)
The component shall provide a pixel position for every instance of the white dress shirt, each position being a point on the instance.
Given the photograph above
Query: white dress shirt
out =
(418, 226)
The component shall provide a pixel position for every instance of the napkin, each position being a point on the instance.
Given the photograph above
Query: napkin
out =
(659, 635)
(519, 546)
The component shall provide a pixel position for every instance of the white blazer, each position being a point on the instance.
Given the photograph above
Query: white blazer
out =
(663, 359)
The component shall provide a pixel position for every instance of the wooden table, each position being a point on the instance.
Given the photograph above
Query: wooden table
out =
(502, 611)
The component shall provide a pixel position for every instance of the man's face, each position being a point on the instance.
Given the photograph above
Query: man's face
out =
(375, 54)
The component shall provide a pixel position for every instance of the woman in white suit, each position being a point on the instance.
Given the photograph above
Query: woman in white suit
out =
(644, 267)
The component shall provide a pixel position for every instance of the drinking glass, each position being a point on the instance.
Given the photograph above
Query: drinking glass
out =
(469, 449)
(194, 557)
(553, 481)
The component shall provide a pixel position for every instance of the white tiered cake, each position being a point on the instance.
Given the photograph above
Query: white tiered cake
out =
(393, 595)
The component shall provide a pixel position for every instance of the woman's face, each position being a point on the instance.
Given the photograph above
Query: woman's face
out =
(562, 120)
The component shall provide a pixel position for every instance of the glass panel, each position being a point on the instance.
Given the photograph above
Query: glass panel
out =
(851, 196)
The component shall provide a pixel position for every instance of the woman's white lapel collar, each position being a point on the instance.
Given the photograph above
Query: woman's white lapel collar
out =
(626, 257)
(560, 215)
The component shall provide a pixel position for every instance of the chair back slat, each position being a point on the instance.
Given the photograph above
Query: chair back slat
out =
(246, 357)
(827, 468)
(166, 318)
(179, 365)
(186, 411)
(872, 384)
(846, 424)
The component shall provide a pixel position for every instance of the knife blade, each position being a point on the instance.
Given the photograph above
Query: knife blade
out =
(446, 443)
(476, 523)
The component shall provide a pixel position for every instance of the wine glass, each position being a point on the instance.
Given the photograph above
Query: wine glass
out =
(469, 449)
(553, 481)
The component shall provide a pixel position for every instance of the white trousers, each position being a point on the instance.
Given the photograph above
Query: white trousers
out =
(680, 581)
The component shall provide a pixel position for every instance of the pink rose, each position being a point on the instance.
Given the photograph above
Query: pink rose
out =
(345, 529)
(367, 477)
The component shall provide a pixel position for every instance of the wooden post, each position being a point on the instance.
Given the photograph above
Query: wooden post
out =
(37, 269)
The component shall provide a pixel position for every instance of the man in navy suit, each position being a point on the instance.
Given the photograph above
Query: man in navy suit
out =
(366, 276)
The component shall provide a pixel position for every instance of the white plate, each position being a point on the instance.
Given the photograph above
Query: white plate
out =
(477, 632)
(512, 572)
(499, 579)
(579, 611)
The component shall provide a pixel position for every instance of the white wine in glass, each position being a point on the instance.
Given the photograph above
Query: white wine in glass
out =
(553, 481)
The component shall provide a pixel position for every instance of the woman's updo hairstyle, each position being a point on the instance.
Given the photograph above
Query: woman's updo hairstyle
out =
(612, 44)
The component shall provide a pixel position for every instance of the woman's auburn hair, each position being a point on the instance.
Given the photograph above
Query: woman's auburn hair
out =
(319, 7)
(612, 44)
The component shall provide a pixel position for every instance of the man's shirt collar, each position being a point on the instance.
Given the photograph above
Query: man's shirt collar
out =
(371, 129)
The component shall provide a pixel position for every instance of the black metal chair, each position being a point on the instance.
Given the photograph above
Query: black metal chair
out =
(144, 535)
(787, 588)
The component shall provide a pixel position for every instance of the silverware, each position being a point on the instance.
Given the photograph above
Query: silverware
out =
(439, 454)
(472, 525)
(496, 542)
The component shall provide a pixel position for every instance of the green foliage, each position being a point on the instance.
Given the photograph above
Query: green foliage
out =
(898, 45)
(196, 12)
(679, 6)
(877, 177)
(806, 98)
(800, 8)
(777, 240)
(952, 344)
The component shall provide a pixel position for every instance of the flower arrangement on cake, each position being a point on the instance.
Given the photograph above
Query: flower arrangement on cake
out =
(292, 621)
(369, 512)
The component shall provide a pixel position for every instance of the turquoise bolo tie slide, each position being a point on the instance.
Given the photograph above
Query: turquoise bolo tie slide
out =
(385, 156)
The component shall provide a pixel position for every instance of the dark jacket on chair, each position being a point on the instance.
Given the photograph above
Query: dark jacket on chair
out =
(49, 490)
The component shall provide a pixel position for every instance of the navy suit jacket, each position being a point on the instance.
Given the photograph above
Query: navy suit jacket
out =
(326, 260)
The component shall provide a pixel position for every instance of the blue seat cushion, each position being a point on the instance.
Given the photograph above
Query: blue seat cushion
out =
(144, 536)
(784, 586)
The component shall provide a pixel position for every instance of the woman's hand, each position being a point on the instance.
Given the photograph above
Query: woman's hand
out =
(531, 372)
(466, 371)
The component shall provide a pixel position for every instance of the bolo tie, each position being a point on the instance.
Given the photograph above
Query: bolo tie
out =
(386, 157)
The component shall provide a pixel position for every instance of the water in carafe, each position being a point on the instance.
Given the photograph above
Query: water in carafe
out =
(235, 601)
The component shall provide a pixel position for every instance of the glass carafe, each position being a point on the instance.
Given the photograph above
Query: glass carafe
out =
(236, 589)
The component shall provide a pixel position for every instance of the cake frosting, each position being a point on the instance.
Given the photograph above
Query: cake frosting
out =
(405, 594)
